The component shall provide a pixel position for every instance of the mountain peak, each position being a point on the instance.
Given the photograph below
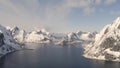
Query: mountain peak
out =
(106, 45)
(117, 19)
(116, 23)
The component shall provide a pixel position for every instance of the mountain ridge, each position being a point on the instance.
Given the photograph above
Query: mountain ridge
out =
(106, 45)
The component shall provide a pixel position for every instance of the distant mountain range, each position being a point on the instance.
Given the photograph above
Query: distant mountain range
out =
(104, 45)
(12, 39)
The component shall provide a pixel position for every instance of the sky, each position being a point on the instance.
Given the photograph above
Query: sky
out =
(59, 15)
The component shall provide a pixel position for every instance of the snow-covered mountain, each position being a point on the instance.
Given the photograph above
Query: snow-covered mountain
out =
(18, 34)
(72, 37)
(87, 36)
(106, 45)
(43, 36)
(38, 36)
(77, 37)
(7, 43)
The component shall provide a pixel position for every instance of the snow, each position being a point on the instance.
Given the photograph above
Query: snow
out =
(13, 38)
(72, 36)
(106, 43)
(19, 36)
(7, 42)
(43, 36)
(115, 53)
(87, 36)
(38, 36)
(76, 37)
(102, 46)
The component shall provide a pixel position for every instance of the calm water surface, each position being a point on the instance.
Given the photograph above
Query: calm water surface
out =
(52, 56)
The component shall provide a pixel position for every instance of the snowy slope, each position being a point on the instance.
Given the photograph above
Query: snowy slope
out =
(56, 37)
(7, 43)
(77, 37)
(106, 45)
(72, 37)
(43, 36)
(18, 35)
(38, 36)
(86, 36)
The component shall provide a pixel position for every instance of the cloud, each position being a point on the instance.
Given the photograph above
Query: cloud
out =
(28, 14)
(89, 10)
(109, 2)
(78, 3)
(87, 6)
(16, 13)
(51, 14)
(84, 5)
(98, 2)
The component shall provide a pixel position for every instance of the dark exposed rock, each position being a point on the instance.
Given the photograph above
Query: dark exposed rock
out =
(106, 31)
(116, 48)
(119, 27)
(109, 57)
(1, 39)
(108, 43)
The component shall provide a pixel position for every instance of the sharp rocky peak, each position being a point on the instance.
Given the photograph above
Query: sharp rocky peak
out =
(116, 23)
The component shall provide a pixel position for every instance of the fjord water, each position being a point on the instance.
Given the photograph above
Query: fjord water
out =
(52, 56)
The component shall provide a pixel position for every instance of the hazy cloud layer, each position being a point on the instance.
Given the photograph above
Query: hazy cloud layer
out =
(50, 14)
(108, 2)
